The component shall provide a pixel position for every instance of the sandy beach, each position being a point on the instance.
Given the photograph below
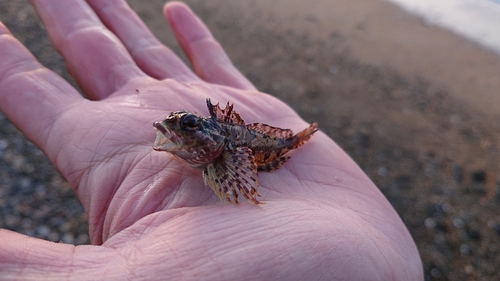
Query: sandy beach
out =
(416, 106)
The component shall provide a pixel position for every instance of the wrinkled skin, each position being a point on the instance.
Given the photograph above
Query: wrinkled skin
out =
(150, 216)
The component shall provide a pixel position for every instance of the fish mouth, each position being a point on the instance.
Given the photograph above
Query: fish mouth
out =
(166, 139)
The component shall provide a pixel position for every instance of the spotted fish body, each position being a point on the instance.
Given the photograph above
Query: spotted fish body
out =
(229, 151)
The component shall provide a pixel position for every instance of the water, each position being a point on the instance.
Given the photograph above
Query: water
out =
(478, 20)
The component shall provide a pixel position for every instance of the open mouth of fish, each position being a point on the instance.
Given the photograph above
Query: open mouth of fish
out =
(166, 140)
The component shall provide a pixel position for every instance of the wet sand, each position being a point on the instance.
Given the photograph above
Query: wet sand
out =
(416, 106)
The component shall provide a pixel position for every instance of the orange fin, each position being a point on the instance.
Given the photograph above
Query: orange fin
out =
(226, 115)
(303, 136)
(234, 172)
(271, 131)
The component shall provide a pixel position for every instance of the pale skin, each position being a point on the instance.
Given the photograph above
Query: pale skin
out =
(150, 215)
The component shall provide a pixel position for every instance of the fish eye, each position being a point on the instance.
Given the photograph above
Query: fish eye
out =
(189, 122)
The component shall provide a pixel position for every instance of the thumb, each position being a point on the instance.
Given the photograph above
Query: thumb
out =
(24, 257)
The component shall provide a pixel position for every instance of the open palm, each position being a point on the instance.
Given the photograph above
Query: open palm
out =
(150, 215)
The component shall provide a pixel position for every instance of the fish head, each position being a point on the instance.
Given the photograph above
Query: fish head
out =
(195, 139)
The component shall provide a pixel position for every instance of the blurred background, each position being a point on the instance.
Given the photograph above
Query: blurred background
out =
(416, 105)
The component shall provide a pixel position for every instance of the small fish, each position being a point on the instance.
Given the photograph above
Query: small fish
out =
(228, 151)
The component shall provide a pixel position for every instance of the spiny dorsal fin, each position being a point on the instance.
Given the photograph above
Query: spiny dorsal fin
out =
(271, 131)
(226, 115)
(234, 172)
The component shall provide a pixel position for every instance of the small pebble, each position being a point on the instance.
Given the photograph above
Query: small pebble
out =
(333, 69)
(464, 249)
(469, 269)
(430, 223)
(3, 144)
(436, 272)
(43, 230)
(458, 222)
(68, 238)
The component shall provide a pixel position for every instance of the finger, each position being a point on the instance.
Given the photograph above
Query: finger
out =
(207, 57)
(17, 251)
(31, 96)
(27, 258)
(150, 55)
(96, 58)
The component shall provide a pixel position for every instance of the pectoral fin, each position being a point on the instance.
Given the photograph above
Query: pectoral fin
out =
(235, 171)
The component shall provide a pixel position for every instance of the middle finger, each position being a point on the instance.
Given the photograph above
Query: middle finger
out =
(150, 55)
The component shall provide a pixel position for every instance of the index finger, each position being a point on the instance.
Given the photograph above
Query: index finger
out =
(31, 96)
(95, 57)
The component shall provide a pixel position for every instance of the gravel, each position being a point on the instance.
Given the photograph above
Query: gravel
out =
(434, 159)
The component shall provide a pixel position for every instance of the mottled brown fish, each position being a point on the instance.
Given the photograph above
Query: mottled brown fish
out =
(228, 151)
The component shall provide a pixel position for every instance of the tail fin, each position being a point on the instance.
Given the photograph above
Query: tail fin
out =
(303, 136)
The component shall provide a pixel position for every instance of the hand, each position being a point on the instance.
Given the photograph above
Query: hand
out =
(150, 215)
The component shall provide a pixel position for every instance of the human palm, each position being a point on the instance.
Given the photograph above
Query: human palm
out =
(150, 214)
